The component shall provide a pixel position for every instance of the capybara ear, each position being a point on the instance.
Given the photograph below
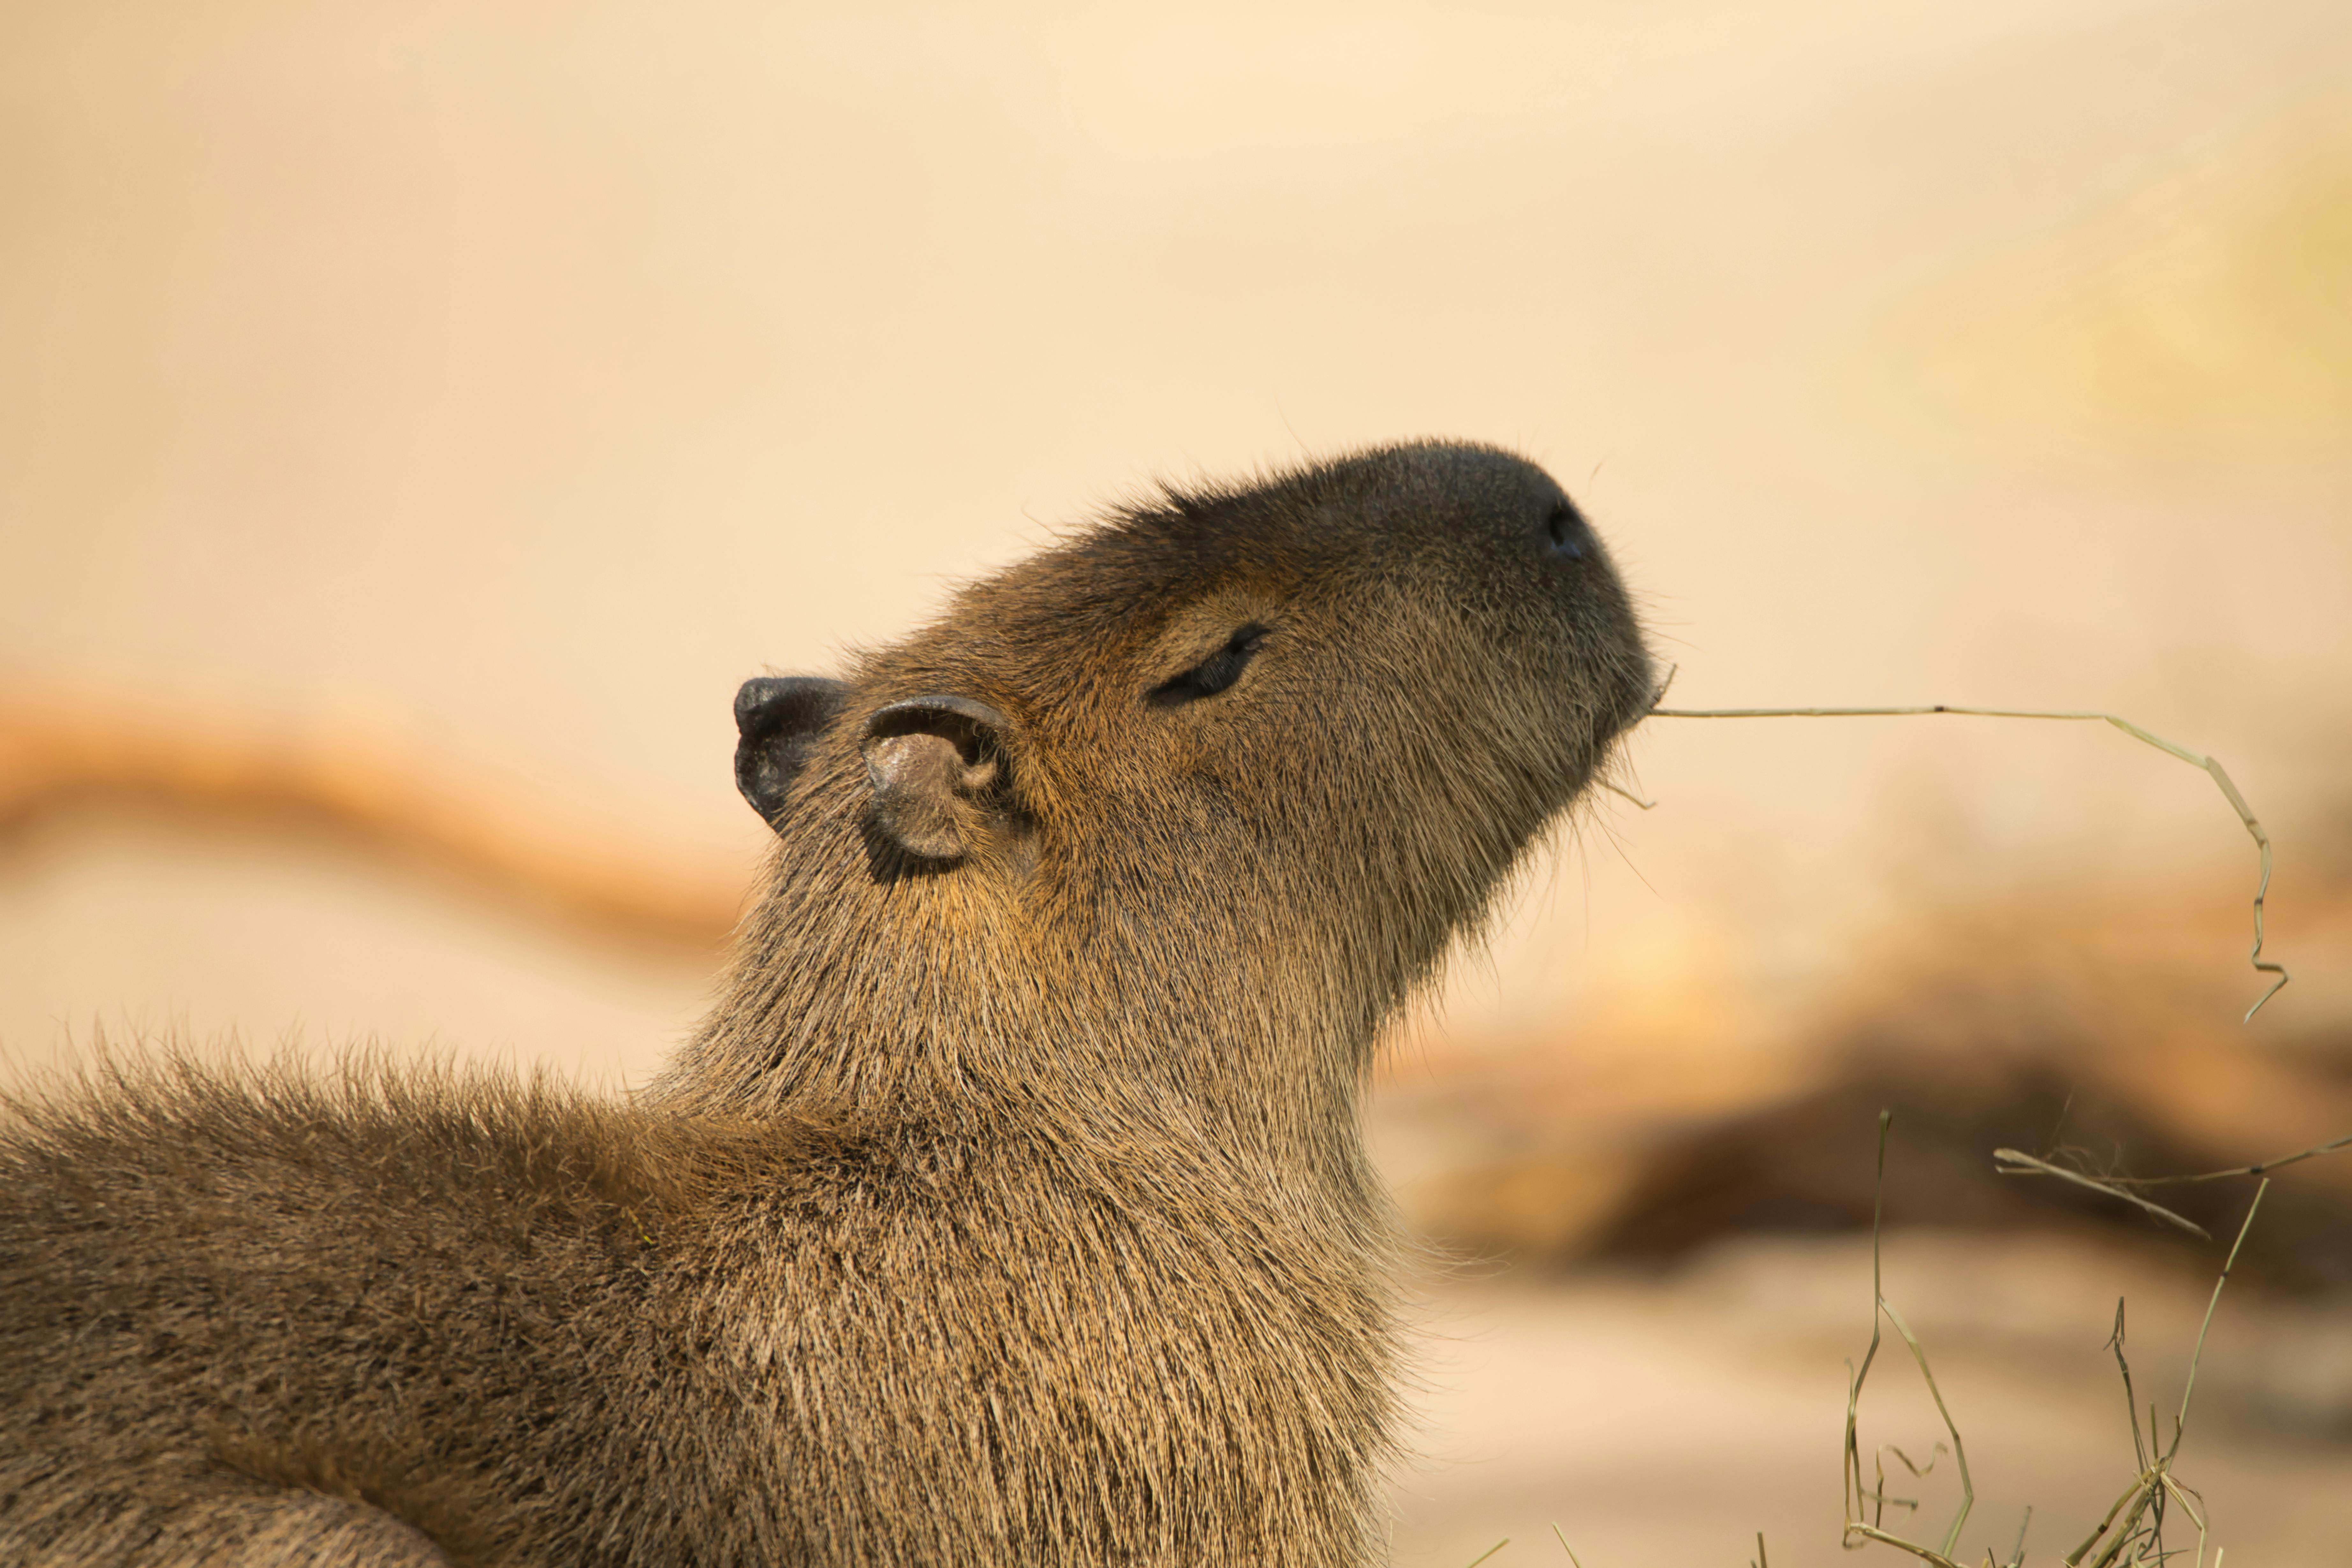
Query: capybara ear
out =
(928, 759)
(776, 716)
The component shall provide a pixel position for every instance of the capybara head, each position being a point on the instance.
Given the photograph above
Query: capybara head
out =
(1216, 779)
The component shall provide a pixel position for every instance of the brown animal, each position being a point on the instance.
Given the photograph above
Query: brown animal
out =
(1009, 1208)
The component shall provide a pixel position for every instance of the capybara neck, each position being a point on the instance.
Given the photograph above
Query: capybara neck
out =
(1008, 998)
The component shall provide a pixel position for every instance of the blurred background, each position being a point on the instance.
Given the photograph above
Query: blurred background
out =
(416, 419)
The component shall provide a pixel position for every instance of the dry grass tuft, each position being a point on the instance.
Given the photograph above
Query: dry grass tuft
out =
(2132, 1531)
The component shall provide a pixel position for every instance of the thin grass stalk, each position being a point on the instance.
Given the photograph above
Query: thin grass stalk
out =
(2212, 766)
(1854, 1493)
(1960, 1451)
(2189, 1390)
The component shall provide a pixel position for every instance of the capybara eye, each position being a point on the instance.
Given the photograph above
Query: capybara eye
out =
(1565, 525)
(1214, 673)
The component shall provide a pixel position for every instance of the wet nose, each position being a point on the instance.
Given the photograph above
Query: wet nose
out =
(1565, 532)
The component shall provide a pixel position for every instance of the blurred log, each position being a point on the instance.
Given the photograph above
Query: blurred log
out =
(2100, 1032)
(61, 751)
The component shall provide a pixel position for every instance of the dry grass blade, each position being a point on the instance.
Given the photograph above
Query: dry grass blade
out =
(1489, 1551)
(1960, 1452)
(2261, 1168)
(2182, 1496)
(1564, 1546)
(1629, 794)
(2210, 765)
(1855, 1526)
(1854, 1493)
(2137, 1488)
(2180, 1422)
(2014, 1163)
(2131, 1400)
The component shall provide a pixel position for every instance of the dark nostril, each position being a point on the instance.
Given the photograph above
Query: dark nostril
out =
(1566, 527)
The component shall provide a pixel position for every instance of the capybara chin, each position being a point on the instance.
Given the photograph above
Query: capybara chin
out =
(1011, 1206)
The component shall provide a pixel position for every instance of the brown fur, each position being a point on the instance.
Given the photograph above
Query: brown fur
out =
(1011, 1206)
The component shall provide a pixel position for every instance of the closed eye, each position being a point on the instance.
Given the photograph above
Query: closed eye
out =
(1214, 673)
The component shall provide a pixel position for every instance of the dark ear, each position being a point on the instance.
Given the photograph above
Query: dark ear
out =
(928, 759)
(776, 716)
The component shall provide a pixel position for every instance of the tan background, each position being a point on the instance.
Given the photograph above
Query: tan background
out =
(503, 383)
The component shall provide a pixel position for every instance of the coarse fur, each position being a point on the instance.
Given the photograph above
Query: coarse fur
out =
(1010, 1207)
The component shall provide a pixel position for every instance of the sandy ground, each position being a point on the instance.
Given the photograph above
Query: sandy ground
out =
(1665, 1422)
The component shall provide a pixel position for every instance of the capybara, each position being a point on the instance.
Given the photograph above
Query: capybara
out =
(1010, 1207)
